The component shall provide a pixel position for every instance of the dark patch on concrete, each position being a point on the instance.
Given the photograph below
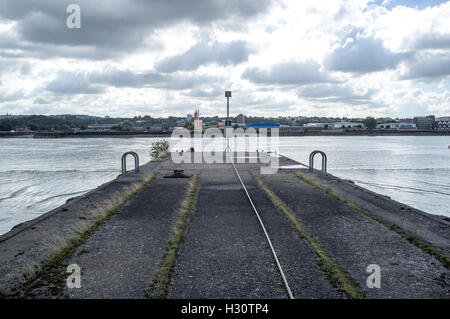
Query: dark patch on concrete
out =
(225, 254)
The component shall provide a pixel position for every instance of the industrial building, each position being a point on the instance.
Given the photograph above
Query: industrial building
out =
(424, 122)
(397, 126)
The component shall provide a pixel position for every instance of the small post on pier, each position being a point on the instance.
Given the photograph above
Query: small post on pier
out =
(124, 162)
(324, 161)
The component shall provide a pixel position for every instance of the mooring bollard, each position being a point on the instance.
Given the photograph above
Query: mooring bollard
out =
(324, 161)
(124, 162)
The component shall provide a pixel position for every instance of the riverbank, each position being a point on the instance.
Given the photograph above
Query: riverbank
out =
(282, 133)
(355, 228)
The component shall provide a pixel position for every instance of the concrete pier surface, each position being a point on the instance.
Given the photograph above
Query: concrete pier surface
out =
(144, 235)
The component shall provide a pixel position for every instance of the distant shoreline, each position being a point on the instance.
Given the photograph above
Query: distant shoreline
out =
(282, 134)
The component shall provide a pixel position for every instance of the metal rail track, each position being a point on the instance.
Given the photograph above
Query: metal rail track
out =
(280, 269)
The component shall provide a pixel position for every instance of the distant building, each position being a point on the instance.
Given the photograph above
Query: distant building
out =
(346, 125)
(100, 127)
(397, 126)
(442, 123)
(316, 126)
(264, 125)
(22, 129)
(198, 125)
(424, 122)
(189, 118)
(240, 119)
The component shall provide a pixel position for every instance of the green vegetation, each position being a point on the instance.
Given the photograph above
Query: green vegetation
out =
(159, 287)
(159, 149)
(336, 274)
(444, 259)
(370, 123)
(52, 272)
(42, 122)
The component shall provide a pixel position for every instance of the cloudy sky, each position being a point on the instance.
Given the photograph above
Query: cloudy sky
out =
(279, 57)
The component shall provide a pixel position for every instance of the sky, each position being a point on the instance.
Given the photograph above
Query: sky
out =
(348, 58)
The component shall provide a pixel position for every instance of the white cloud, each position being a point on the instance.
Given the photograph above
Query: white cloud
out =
(286, 57)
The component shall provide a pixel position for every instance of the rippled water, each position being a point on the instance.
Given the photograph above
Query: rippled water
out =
(414, 170)
(37, 175)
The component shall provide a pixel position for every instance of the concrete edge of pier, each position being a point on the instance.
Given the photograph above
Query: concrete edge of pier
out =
(28, 245)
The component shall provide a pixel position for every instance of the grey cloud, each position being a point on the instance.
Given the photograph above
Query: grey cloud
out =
(96, 82)
(125, 78)
(363, 55)
(234, 52)
(203, 93)
(121, 78)
(289, 73)
(13, 65)
(68, 83)
(183, 81)
(327, 93)
(431, 41)
(117, 26)
(40, 100)
(9, 97)
(428, 66)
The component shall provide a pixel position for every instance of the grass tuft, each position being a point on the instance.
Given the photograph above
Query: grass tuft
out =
(160, 284)
(336, 274)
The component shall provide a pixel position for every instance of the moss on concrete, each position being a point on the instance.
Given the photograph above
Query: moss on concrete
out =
(336, 274)
(160, 284)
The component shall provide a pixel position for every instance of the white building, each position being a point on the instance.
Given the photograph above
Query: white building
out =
(316, 126)
(346, 125)
(397, 126)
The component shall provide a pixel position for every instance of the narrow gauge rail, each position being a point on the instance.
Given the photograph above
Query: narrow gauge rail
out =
(280, 269)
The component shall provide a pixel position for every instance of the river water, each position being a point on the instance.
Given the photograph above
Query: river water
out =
(37, 175)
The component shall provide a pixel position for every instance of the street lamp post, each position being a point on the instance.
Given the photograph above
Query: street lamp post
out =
(227, 121)
(228, 95)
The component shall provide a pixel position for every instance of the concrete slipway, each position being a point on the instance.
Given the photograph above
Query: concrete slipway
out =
(222, 251)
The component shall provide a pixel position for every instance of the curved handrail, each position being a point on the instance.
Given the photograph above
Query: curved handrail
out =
(124, 162)
(324, 160)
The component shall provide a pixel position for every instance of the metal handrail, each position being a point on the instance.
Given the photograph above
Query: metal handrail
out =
(324, 160)
(124, 162)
